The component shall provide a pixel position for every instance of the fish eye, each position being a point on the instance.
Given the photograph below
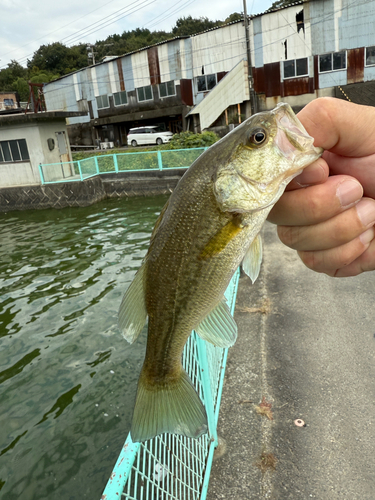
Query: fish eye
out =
(258, 137)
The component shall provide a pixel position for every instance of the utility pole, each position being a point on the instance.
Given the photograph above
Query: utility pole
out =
(91, 55)
(253, 101)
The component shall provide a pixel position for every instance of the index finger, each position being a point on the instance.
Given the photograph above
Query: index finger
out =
(339, 126)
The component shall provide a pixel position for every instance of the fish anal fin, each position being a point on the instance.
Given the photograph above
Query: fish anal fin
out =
(253, 259)
(173, 407)
(219, 327)
(133, 313)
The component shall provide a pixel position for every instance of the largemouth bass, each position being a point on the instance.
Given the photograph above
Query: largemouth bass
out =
(207, 228)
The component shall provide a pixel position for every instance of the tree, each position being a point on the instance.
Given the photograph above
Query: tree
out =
(189, 26)
(281, 3)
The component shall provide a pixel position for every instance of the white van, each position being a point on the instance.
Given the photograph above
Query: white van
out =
(148, 135)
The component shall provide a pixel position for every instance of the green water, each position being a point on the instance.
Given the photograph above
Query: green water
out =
(67, 377)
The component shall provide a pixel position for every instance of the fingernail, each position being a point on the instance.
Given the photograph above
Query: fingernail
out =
(366, 211)
(367, 236)
(348, 192)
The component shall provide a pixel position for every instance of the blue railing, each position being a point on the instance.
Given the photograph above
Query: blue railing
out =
(80, 170)
(172, 467)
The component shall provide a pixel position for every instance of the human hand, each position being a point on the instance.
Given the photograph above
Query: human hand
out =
(331, 221)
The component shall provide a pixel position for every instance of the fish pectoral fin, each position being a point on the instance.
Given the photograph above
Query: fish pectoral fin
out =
(253, 259)
(221, 239)
(218, 327)
(173, 407)
(132, 313)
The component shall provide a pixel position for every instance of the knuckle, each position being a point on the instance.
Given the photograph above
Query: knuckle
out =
(289, 235)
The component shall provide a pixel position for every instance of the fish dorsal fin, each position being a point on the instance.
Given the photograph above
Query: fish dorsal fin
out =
(221, 239)
(132, 313)
(218, 327)
(253, 259)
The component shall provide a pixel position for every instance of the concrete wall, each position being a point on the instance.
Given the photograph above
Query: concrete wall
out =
(36, 134)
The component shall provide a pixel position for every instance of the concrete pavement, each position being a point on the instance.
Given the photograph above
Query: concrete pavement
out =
(307, 345)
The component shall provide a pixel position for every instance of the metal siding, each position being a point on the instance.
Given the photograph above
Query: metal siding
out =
(272, 79)
(332, 79)
(369, 73)
(141, 74)
(153, 65)
(120, 75)
(280, 27)
(295, 86)
(355, 64)
(356, 25)
(322, 26)
(165, 70)
(259, 84)
(258, 42)
(127, 71)
(186, 51)
(174, 61)
(102, 79)
(218, 50)
(186, 89)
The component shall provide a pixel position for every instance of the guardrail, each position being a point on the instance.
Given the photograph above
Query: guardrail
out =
(80, 170)
(172, 467)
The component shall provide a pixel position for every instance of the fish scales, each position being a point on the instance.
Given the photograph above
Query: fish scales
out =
(208, 227)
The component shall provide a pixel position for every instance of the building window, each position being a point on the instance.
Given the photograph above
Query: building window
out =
(102, 101)
(370, 56)
(206, 82)
(167, 89)
(120, 98)
(12, 151)
(332, 62)
(296, 67)
(144, 93)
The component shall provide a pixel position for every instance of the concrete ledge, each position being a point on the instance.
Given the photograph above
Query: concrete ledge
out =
(90, 191)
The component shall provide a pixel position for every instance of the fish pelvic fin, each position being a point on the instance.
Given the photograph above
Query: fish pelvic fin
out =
(169, 406)
(219, 327)
(253, 259)
(133, 313)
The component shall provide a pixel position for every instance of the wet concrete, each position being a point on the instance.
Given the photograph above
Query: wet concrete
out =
(307, 345)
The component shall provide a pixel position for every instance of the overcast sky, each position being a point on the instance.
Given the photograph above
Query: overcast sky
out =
(27, 25)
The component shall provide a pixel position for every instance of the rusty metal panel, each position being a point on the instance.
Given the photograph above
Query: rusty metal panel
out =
(258, 75)
(272, 79)
(356, 65)
(186, 89)
(221, 75)
(295, 86)
(120, 74)
(316, 72)
(153, 65)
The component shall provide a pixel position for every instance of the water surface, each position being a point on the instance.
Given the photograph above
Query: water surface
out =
(67, 377)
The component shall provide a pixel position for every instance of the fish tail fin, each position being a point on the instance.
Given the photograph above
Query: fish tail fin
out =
(173, 407)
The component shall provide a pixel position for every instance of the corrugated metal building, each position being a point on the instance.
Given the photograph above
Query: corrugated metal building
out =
(297, 53)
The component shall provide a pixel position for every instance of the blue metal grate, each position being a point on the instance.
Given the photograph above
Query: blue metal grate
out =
(76, 171)
(169, 466)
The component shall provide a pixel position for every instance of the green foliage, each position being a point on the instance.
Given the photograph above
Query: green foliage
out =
(281, 3)
(236, 16)
(56, 59)
(186, 140)
(189, 26)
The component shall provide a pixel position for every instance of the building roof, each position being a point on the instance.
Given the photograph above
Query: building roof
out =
(22, 118)
(299, 2)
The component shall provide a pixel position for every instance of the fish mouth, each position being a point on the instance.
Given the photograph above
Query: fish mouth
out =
(292, 139)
